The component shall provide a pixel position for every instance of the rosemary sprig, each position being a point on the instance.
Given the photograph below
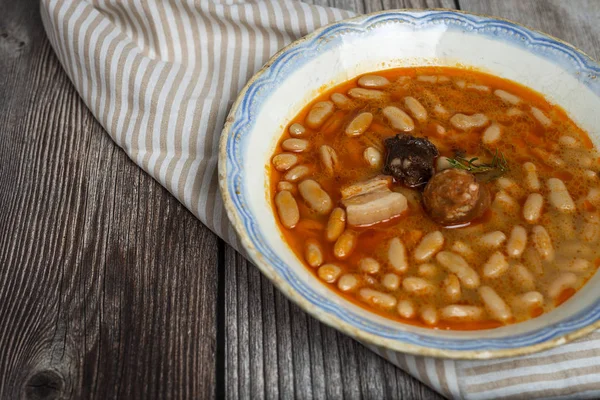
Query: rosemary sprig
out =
(495, 169)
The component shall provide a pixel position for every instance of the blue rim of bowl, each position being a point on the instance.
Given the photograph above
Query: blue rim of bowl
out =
(234, 192)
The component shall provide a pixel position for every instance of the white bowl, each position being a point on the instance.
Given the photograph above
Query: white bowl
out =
(343, 50)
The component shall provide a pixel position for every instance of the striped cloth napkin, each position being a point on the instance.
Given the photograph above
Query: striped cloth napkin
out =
(160, 76)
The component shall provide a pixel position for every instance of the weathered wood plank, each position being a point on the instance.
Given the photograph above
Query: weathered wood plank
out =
(573, 21)
(107, 284)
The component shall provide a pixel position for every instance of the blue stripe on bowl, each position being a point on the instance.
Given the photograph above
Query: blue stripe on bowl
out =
(580, 66)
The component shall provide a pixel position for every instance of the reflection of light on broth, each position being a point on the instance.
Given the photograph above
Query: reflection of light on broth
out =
(534, 247)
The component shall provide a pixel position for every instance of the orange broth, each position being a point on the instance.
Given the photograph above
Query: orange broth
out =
(524, 139)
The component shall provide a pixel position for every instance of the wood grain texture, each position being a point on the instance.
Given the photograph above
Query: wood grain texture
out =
(108, 285)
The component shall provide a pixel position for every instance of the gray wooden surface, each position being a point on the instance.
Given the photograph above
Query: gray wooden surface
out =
(110, 288)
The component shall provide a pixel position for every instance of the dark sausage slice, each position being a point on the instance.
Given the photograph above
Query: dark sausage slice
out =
(410, 159)
(454, 197)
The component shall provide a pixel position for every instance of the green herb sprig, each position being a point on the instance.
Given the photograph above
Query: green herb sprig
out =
(493, 170)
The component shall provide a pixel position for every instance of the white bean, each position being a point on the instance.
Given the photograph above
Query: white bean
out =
(369, 280)
(542, 242)
(373, 81)
(531, 177)
(287, 208)
(398, 119)
(378, 298)
(429, 245)
(494, 304)
(479, 88)
(495, 266)
(493, 239)
(590, 232)
(568, 141)
(367, 94)
(428, 270)
(462, 248)
(514, 112)
(391, 281)
(416, 108)
(313, 253)
(507, 97)
(458, 266)
(541, 117)
(297, 173)
(329, 158)
(451, 287)
(341, 101)
(594, 196)
(460, 83)
(397, 255)
(517, 242)
(359, 124)
(576, 265)
(559, 196)
(427, 78)
(576, 249)
(466, 122)
(548, 158)
(406, 309)
(345, 244)
(297, 130)
(433, 78)
(403, 79)
(429, 315)
(295, 145)
(369, 265)
(319, 113)
(509, 185)
(533, 260)
(564, 281)
(532, 209)
(592, 175)
(531, 299)
(505, 201)
(564, 224)
(440, 110)
(585, 161)
(492, 134)
(329, 272)
(284, 185)
(347, 282)
(284, 161)
(522, 277)
(418, 286)
(315, 196)
(372, 157)
(335, 224)
(456, 312)
(442, 163)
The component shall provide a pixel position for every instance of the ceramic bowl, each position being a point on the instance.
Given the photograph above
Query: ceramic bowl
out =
(343, 50)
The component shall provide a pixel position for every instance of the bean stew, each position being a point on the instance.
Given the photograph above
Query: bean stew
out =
(440, 197)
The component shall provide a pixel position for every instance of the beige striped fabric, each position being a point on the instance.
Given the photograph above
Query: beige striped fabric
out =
(160, 77)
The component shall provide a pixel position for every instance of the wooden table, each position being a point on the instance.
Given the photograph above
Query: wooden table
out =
(110, 288)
